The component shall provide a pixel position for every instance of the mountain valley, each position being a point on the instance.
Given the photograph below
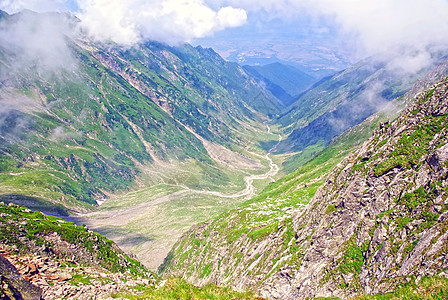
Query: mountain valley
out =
(81, 141)
(192, 177)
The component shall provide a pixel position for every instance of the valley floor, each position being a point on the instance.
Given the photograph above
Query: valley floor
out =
(149, 221)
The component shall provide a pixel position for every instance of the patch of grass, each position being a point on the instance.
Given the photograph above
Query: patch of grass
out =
(353, 258)
(177, 289)
(402, 222)
(263, 231)
(359, 166)
(414, 199)
(207, 270)
(429, 288)
(330, 208)
(77, 279)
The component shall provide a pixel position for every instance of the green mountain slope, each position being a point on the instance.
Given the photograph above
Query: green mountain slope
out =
(75, 132)
(376, 220)
(187, 133)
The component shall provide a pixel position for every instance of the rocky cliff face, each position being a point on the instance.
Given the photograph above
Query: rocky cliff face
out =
(379, 219)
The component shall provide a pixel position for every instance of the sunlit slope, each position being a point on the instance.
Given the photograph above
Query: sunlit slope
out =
(366, 225)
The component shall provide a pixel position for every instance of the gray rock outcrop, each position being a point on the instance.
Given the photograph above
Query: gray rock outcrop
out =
(13, 285)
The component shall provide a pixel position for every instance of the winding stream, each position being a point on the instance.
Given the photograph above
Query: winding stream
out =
(250, 189)
(152, 244)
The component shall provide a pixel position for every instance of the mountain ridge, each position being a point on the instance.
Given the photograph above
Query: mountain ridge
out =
(343, 100)
(284, 81)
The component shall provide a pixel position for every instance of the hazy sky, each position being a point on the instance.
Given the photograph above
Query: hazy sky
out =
(367, 26)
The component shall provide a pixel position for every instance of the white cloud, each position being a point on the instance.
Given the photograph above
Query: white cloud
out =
(14, 6)
(392, 27)
(231, 17)
(171, 21)
(37, 42)
(390, 24)
(410, 62)
(374, 25)
(109, 20)
(131, 21)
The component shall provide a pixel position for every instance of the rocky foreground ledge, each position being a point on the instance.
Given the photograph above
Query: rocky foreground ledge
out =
(46, 257)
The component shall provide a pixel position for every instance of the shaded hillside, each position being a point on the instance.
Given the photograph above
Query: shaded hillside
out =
(379, 220)
(283, 81)
(342, 101)
(389, 112)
